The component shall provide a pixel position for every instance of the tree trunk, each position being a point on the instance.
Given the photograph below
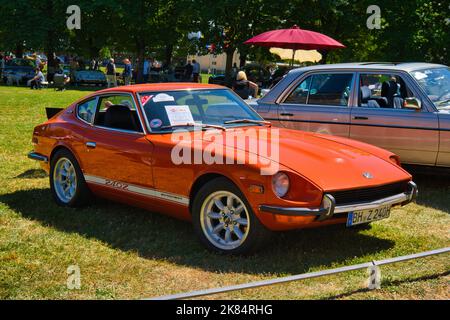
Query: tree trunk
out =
(229, 65)
(242, 60)
(168, 56)
(324, 54)
(140, 66)
(19, 50)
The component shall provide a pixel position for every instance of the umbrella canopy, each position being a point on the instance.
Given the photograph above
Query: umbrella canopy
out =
(300, 55)
(295, 39)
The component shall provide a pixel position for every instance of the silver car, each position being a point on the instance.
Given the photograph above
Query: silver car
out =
(401, 107)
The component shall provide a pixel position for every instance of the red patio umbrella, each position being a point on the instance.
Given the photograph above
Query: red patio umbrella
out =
(295, 39)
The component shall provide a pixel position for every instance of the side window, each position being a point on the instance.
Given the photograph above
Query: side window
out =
(86, 110)
(323, 89)
(118, 112)
(300, 94)
(382, 90)
(330, 89)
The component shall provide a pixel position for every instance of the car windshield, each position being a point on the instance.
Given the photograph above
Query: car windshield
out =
(170, 110)
(436, 83)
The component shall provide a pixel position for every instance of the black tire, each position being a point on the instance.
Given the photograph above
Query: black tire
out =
(257, 234)
(82, 194)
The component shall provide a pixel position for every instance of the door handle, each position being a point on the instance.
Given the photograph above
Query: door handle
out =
(287, 114)
(91, 145)
(360, 118)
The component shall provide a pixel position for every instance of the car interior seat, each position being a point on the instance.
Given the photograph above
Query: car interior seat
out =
(120, 117)
(367, 99)
(391, 91)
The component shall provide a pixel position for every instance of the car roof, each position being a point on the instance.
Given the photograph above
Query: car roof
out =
(167, 86)
(398, 66)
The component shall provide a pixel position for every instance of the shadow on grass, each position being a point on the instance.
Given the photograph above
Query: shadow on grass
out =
(159, 237)
(434, 190)
(32, 174)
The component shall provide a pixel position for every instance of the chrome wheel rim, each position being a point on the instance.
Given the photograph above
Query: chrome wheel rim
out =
(225, 220)
(65, 180)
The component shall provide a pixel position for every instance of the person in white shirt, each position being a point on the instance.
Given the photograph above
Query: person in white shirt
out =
(195, 70)
(36, 82)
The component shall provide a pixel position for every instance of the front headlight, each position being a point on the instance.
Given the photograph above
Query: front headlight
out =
(280, 184)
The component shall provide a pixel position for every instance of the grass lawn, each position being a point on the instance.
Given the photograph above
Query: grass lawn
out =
(129, 253)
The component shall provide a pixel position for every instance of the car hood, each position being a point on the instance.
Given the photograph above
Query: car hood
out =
(329, 164)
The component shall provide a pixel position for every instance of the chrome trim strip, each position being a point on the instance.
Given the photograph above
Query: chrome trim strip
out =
(325, 213)
(292, 211)
(38, 157)
(126, 187)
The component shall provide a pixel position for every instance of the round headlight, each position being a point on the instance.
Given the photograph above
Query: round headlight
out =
(280, 184)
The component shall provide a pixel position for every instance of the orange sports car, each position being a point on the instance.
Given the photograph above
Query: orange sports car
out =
(200, 153)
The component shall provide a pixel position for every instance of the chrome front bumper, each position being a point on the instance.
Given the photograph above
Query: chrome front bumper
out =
(329, 208)
(38, 157)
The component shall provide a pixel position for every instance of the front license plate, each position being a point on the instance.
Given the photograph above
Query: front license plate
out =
(366, 216)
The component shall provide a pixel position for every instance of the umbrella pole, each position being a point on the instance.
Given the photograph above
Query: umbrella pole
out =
(293, 56)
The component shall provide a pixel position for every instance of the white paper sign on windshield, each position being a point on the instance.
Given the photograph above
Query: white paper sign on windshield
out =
(179, 115)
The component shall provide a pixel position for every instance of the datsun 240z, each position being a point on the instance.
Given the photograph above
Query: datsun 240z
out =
(119, 144)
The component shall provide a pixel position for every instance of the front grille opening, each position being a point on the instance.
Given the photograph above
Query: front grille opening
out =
(369, 194)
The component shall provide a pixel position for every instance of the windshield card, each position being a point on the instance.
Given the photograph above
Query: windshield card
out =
(163, 97)
(179, 115)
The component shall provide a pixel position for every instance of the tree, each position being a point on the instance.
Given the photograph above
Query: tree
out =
(229, 23)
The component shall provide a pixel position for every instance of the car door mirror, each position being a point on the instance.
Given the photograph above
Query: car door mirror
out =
(412, 103)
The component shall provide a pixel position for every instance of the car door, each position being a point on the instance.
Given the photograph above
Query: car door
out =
(319, 103)
(444, 139)
(411, 134)
(116, 158)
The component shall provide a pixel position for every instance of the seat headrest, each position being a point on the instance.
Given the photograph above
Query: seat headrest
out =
(120, 117)
(365, 93)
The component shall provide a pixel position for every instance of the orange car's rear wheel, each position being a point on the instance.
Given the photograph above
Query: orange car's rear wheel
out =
(69, 189)
(224, 220)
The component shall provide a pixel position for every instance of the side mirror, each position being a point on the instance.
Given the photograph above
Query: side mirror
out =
(412, 103)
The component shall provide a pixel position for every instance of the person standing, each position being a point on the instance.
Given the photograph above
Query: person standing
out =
(127, 72)
(73, 68)
(2, 65)
(146, 69)
(195, 70)
(188, 68)
(234, 70)
(111, 73)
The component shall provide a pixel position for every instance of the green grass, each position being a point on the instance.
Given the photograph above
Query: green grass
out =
(127, 253)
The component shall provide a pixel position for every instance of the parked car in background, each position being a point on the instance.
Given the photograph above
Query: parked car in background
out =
(94, 77)
(119, 143)
(20, 69)
(401, 107)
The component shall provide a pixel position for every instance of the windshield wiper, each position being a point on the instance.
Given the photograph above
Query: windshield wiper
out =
(201, 125)
(248, 121)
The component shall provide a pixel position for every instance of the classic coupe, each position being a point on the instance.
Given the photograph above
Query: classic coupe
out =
(123, 144)
(401, 107)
